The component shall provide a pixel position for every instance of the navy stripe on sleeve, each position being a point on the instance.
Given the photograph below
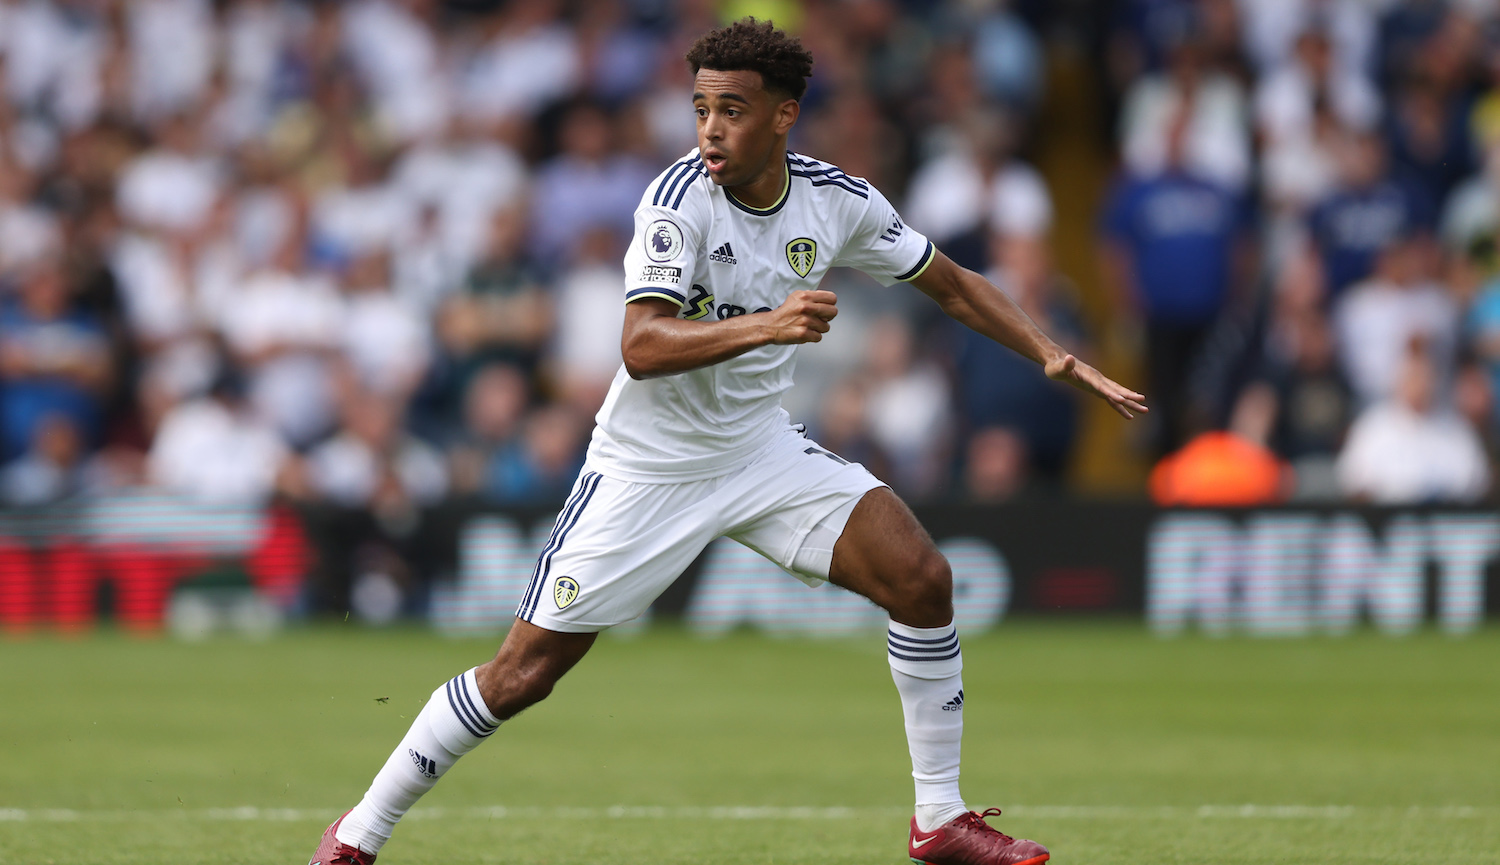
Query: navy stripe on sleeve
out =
(637, 292)
(676, 171)
(921, 263)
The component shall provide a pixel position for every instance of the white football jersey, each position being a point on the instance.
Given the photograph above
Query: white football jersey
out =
(715, 257)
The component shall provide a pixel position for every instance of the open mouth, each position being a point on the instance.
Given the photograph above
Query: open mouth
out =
(714, 161)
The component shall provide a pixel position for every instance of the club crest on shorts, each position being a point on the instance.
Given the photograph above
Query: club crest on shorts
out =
(565, 591)
(800, 254)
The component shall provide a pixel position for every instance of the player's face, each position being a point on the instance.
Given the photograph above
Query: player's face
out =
(741, 125)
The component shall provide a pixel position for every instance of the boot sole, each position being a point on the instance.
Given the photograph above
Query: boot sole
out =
(1035, 860)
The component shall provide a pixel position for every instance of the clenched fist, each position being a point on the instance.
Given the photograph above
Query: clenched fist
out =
(802, 317)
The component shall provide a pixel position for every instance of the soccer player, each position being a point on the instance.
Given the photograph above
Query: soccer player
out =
(692, 444)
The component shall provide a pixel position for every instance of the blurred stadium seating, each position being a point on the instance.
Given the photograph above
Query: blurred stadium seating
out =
(337, 272)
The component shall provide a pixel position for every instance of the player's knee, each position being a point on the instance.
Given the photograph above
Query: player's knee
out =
(928, 589)
(935, 580)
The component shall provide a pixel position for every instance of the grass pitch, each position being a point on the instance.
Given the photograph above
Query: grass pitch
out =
(1100, 741)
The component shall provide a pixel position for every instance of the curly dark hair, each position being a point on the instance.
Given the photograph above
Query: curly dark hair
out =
(755, 46)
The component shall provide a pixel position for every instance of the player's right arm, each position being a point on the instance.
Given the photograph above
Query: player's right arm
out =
(656, 342)
(660, 264)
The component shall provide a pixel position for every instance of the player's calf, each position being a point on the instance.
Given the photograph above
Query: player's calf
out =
(527, 667)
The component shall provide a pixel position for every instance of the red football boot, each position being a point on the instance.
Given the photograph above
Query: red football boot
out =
(968, 840)
(332, 852)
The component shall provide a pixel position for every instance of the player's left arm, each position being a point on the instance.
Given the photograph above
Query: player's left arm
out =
(975, 302)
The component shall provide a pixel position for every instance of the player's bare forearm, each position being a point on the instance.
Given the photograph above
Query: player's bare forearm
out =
(973, 301)
(655, 342)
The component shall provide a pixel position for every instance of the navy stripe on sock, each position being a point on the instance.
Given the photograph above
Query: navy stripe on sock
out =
(461, 712)
(896, 654)
(461, 684)
(547, 568)
(924, 650)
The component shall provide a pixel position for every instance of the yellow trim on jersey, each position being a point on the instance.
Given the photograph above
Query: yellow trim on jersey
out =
(931, 257)
(785, 191)
(635, 297)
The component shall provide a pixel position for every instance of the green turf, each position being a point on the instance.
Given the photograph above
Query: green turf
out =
(1110, 746)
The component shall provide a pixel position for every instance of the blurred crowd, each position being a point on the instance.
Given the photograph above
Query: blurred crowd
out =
(366, 254)
(1306, 232)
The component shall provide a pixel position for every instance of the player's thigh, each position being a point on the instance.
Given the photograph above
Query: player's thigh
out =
(616, 546)
(787, 499)
(886, 555)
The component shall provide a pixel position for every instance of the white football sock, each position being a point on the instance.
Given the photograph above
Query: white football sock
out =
(927, 665)
(453, 723)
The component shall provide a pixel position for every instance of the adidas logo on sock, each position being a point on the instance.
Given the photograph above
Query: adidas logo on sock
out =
(956, 704)
(724, 255)
(427, 767)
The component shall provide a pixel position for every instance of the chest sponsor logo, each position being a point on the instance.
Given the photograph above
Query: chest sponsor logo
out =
(565, 592)
(800, 254)
(723, 255)
(661, 275)
(663, 240)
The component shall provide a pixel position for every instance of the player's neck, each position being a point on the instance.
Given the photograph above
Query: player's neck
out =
(768, 188)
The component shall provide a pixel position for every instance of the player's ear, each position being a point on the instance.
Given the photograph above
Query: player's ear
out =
(786, 115)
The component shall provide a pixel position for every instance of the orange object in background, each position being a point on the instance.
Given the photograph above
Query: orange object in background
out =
(1220, 469)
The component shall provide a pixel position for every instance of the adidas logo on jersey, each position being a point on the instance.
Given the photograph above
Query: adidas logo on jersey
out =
(956, 704)
(724, 255)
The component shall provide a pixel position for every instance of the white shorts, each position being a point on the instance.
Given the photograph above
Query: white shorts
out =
(618, 545)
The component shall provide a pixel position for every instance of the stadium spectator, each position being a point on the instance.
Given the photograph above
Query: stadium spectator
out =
(1378, 319)
(51, 470)
(371, 463)
(593, 183)
(54, 360)
(1412, 449)
(540, 466)
(1175, 253)
(976, 184)
(503, 311)
(281, 325)
(213, 449)
(909, 410)
(1309, 395)
(995, 465)
(586, 347)
(1471, 218)
(1368, 211)
(998, 389)
(495, 402)
(1189, 118)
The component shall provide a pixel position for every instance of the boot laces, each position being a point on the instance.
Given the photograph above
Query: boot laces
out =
(975, 821)
(343, 854)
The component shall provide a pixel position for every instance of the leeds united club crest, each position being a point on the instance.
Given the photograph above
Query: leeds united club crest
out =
(800, 254)
(565, 591)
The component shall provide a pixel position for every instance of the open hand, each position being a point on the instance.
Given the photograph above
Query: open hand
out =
(1084, 377)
